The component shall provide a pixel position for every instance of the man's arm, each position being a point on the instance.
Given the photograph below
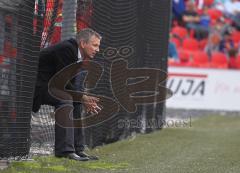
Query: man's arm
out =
(91, 104)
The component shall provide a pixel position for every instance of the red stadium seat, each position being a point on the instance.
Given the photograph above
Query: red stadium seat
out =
(214, 14)
(184, 55)
(172, 62)
(202, 44)
(234, 63)
(1, 59)
(176, 41)
(238, 62)
(219, 60)
(236, 37)
(190, 44)
(178, 63)
(200, 59)
(208, 2)
(180, 32)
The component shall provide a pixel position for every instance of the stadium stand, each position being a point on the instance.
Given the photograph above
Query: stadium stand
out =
(180, 32)
(189, 45)
(200, 59)
(214, 14)
(234, 62)
(176, 41)
(219, 60)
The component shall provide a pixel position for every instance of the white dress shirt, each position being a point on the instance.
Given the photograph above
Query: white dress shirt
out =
(79, 56)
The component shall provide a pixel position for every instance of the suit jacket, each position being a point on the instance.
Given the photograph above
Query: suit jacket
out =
(52, 60)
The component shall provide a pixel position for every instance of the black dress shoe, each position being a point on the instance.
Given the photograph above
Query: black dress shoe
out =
(72, 156)
(83, 154)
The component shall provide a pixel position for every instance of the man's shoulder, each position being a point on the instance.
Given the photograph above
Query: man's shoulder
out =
(67, 43)
(70, 43)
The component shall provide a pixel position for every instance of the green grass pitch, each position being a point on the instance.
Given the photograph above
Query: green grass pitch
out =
(210, 145)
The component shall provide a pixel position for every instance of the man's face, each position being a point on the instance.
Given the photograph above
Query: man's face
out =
(91, 47)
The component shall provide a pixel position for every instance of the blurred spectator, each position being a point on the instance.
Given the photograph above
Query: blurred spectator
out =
(221, 26)
(172, 51)
(219, 4)
(205, 18)
(232, 59)
(203, 3)
(178, 9)
(200, 4)
(231, 9)
(192, 21)
(221, 1)
(227, 44)
(190, 16)
(213, 43)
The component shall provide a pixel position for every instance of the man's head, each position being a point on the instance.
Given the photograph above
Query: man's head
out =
(190, 6)
(88, 42)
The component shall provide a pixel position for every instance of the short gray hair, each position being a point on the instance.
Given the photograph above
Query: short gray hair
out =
(85, 35)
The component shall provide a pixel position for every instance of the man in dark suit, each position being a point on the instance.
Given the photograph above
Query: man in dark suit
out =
(52, 60)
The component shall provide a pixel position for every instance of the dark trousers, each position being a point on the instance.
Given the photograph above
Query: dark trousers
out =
(78, 132)
(67, 139)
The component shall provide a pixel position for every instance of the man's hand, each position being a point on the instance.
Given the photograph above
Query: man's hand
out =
(90, 104)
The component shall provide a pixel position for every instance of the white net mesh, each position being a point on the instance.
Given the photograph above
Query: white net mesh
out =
(42, 131)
